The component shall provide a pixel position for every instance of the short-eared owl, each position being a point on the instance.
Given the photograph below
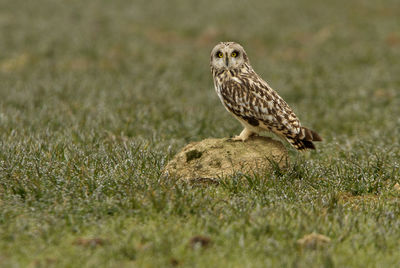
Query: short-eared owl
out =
(252, 101)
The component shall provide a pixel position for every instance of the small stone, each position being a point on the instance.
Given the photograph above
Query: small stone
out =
(200, 241)
(313, 241)
(397, 186)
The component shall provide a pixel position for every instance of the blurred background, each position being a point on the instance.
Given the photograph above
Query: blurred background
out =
(140, 69)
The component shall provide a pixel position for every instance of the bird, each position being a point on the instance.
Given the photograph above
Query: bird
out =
(252, 101)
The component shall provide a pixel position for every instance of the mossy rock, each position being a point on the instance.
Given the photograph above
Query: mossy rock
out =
(214, 158)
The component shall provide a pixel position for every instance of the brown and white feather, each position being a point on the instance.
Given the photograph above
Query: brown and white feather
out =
(252, 101)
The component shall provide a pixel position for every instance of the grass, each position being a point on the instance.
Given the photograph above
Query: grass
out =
(97, 96)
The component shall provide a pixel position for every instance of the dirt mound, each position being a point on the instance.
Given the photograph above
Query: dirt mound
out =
(314, 241)
(213, 158)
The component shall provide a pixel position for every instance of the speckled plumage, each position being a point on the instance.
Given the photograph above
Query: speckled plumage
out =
(252, 101)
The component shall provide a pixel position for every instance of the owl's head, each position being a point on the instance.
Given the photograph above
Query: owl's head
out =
(228, 55)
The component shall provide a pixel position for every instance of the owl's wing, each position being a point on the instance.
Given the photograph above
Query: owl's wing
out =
(252, 100)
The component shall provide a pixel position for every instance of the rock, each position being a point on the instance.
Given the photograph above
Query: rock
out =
(213, 158)
(397, 187)
(200, 241)
(313, 241)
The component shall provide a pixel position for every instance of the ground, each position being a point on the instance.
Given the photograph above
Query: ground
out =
(97, 96)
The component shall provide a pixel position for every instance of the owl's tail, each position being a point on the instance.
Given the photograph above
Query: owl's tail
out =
(304, 140)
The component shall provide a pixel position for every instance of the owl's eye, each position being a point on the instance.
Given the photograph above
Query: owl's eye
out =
(235, 54)
(219, 54)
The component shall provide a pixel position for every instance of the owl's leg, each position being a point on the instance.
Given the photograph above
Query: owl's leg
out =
(244, 135)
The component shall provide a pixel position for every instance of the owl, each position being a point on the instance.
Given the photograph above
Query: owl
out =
(252, 101)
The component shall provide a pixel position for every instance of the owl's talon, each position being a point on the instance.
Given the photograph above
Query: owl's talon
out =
(238, 138)
(244, 135)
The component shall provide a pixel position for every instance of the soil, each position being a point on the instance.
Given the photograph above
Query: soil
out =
(215, 158)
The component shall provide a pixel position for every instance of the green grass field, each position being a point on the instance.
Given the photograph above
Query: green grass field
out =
(97, 96)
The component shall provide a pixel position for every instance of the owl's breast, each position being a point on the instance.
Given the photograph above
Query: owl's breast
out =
(218, 89)
(231, 94)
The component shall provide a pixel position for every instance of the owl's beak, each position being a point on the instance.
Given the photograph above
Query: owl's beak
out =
(226, 61)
